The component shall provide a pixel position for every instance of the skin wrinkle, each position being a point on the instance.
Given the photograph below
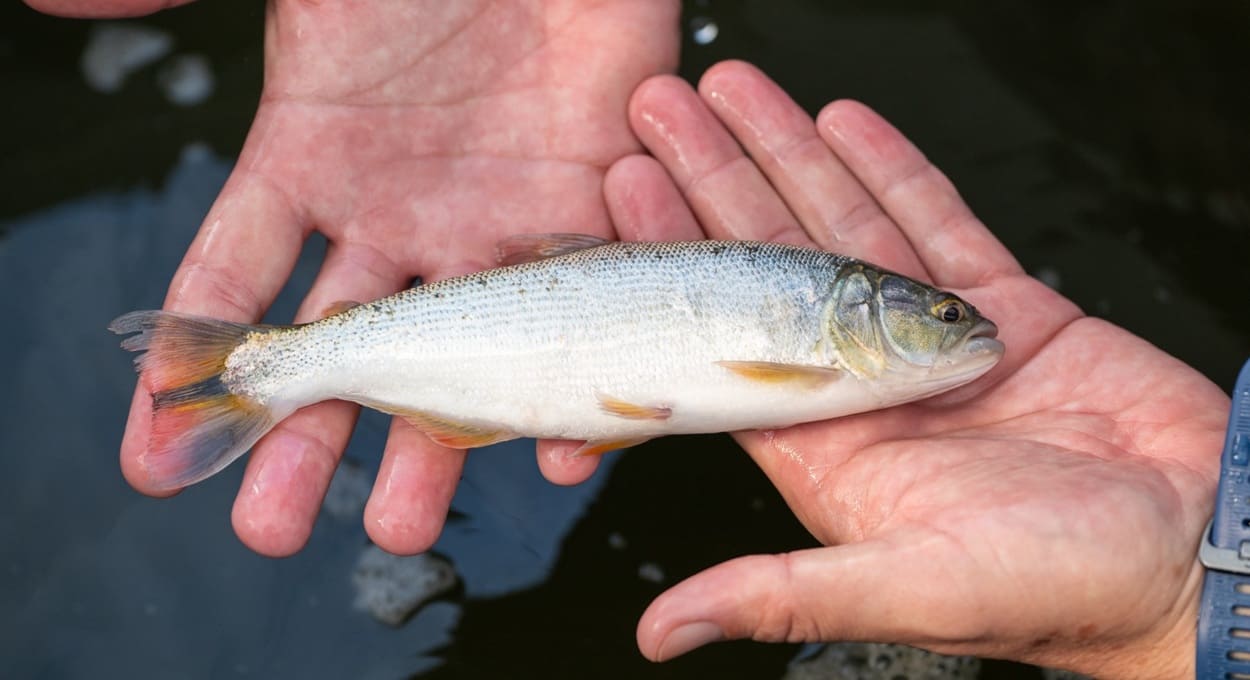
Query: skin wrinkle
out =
(783, 159)
(467, 148)
(992, 274)
(411, 65)
(780, 156)
(902, 185)
(549, 36)
(368, 258)
(1024, 588)
(421, 56)
(933, 532)
(756, 132)
(224, 289)
(776, 619)
(513, 64)
(793, 454)
(862, 213)
(311, 448)
(899, 183)
(1158, 477)
(680, 156)
(1210, 473)
(470, 154)
(721, 166)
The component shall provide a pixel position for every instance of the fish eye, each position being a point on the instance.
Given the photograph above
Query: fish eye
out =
(950, 311)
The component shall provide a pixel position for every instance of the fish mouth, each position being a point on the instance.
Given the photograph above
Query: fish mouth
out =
(978, 353)
(982, 339)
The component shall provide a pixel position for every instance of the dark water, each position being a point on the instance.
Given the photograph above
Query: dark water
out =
(1105, 143)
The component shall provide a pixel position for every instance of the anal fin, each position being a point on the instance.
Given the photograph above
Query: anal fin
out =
(598, 448)
(455, 434)
(447, 431)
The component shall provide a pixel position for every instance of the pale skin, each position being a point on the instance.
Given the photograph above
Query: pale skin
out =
(1049, 512)
(413, 135)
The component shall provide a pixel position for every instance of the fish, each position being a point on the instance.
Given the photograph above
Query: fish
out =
(573, 337)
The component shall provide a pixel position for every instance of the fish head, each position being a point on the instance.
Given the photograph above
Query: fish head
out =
(895, 330)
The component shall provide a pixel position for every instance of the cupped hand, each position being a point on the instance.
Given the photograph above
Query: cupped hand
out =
(413, 135)
(1049, 512)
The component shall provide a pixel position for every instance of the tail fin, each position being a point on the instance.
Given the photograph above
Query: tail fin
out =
(198, 425)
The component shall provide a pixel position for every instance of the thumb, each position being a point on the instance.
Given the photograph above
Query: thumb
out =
(865, 591)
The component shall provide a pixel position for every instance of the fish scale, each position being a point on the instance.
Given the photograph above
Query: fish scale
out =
(636, 321)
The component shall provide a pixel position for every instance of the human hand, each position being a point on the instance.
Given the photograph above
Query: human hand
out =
(1049, 512)
(413, 135)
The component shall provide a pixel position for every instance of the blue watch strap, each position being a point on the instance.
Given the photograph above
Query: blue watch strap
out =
(1224, 616)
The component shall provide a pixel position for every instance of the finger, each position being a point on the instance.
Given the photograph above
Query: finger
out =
(952, 243)
(86, 9)
(728, 194)
(417, 479)
(239, 260)
(558, 464)
(290, 468)
(413, 491)
(242, 255)
(865, 591)
(832, 206)
(644, 203)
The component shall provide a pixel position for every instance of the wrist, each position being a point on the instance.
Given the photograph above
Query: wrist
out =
(1164, 651)
(1172, 655)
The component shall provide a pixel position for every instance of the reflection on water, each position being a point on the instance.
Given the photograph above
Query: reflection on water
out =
(703, 30)
(106, 191)
(143, 586)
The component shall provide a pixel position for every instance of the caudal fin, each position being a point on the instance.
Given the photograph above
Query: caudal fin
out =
(198, 425)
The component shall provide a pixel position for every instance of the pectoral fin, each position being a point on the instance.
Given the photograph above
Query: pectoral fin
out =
(599, 448)
(771, 373)
(524, 248)
(625, 409)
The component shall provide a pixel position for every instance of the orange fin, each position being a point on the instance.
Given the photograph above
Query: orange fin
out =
(625, 409)
(338, 307)
(198, 425)
(454, 434)
(524, 248)
(598, 448)
(777, 374)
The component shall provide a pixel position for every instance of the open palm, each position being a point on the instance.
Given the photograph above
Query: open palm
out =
(413, 135)
(1048, 512)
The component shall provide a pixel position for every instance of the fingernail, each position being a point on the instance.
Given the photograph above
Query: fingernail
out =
(687, 637)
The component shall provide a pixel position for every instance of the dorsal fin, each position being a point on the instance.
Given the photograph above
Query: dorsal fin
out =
(524, 248)
(338, 307)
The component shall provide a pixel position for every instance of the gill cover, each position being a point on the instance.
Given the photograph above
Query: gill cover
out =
(852, 324)
(879, 321)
